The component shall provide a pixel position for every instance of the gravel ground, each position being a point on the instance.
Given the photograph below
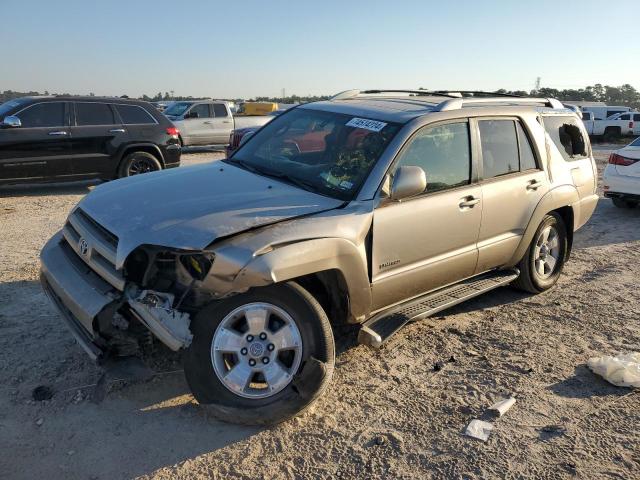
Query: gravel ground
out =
(388, 413)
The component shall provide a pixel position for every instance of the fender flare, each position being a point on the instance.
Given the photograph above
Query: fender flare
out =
(312, 256)
(130, 146)
(559, 197)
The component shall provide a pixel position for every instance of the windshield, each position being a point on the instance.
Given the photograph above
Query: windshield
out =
(6, 107)
(178, 108)
(635, 143)
(324, 152)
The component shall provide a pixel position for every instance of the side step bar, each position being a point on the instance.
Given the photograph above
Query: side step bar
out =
(377, 330)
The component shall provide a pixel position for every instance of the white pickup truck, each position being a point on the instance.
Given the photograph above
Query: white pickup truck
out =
(616, 126)
(208, 122)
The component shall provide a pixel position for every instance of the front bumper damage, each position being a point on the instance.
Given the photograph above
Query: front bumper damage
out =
(90, 306)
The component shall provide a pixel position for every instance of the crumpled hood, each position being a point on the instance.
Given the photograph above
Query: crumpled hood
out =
(190, 207)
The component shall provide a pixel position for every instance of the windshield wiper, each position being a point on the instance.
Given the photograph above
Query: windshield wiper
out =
(243, 164)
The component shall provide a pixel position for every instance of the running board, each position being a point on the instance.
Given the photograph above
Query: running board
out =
(380, 328)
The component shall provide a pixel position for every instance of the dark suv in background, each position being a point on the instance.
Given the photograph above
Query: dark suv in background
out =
(75, 138)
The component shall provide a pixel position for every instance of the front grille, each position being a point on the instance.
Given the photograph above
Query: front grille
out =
(95, 245)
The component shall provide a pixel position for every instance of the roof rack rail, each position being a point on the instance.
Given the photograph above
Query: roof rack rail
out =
(458, 103)
(355, 93)
(479, 92)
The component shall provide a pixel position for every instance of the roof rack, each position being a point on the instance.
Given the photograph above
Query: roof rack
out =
(458, 103)
(355, 93)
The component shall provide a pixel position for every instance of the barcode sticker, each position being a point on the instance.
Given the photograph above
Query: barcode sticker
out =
(372, 125)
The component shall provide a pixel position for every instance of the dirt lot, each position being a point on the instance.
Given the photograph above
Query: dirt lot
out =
(388, 414)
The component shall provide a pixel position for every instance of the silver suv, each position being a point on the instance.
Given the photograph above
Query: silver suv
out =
(376, 208)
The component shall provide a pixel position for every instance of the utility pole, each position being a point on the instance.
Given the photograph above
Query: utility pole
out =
(283, 94)
(537, 84)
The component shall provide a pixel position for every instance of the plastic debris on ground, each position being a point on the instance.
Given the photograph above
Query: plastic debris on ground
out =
(622, 370)
(501, 407)
(479, 429)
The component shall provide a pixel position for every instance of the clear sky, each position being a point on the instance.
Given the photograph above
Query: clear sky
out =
(247, 48)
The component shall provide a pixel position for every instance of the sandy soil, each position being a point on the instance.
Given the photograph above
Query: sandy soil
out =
(388, 414)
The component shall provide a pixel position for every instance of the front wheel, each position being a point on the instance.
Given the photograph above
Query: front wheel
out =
(260, 357)
(542, 265)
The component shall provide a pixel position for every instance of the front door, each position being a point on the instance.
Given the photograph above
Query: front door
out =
(40, 147)
(95, 138)
(512, 186)
(198, 124)
(428, 241)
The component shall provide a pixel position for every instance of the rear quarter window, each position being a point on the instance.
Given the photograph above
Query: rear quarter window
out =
(567, 136)
(134, 115)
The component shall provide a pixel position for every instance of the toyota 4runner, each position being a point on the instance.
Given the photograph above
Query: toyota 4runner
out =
(375, 208)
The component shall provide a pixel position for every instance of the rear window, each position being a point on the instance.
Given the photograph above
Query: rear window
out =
(567, 137)
(93, 114)
(219, 110)
(50, 114)
(636, 117)
(134, 115)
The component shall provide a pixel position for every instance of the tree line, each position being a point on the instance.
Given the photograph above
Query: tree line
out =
(624, 94)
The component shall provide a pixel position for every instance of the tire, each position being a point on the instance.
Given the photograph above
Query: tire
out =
(308, 366)
(135, 163)
(531, 278)
(624, 203)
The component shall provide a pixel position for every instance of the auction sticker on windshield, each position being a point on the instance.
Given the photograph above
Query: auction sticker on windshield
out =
(372, 125)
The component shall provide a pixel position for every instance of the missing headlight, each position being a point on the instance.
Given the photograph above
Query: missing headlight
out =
(197, 264)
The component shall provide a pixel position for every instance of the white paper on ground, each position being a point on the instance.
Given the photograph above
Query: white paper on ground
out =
(622, 370)
(502, 406)
(479, 429)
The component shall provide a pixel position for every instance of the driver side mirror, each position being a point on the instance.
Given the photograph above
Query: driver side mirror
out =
(408, 181)
(11, 122)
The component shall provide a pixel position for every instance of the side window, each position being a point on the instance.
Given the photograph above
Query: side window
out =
(202, 109)
(93, 114)
(499, 147)
(219, 110)
(42, 115)
(567, 136)
(527, 158)
(443, 152)
(625, 117)
(636, 117)
(134, 115)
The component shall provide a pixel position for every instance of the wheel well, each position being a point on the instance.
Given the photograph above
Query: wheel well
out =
(566, 213)
(613, 129)
(330, 289)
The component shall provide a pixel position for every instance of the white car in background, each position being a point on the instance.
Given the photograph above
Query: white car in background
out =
(622, 176)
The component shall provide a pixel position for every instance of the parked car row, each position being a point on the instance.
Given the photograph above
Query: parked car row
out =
(616, 126)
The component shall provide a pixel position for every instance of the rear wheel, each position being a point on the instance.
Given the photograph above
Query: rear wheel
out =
(542, 265)
(260, 357)
(624, 203)
(136, 163)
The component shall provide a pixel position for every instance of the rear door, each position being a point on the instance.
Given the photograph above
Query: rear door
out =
(512, 185)
(95, 138)
(221, 124)
(636, 123)
(40, 148)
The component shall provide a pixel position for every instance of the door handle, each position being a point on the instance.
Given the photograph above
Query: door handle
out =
(469, 202)
(116, 130)
(226, 121)
(534, 185)
(207, 123)
(58, 133)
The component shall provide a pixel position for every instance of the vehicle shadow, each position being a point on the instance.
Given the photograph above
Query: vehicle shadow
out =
(585, 384)
(40, 189)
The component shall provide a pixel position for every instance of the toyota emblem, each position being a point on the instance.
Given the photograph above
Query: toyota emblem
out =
(83, 246)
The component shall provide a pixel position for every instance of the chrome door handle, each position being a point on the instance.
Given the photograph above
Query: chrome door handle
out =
(116, 130)
(58, 133)
(534, 185)
(469, 202)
